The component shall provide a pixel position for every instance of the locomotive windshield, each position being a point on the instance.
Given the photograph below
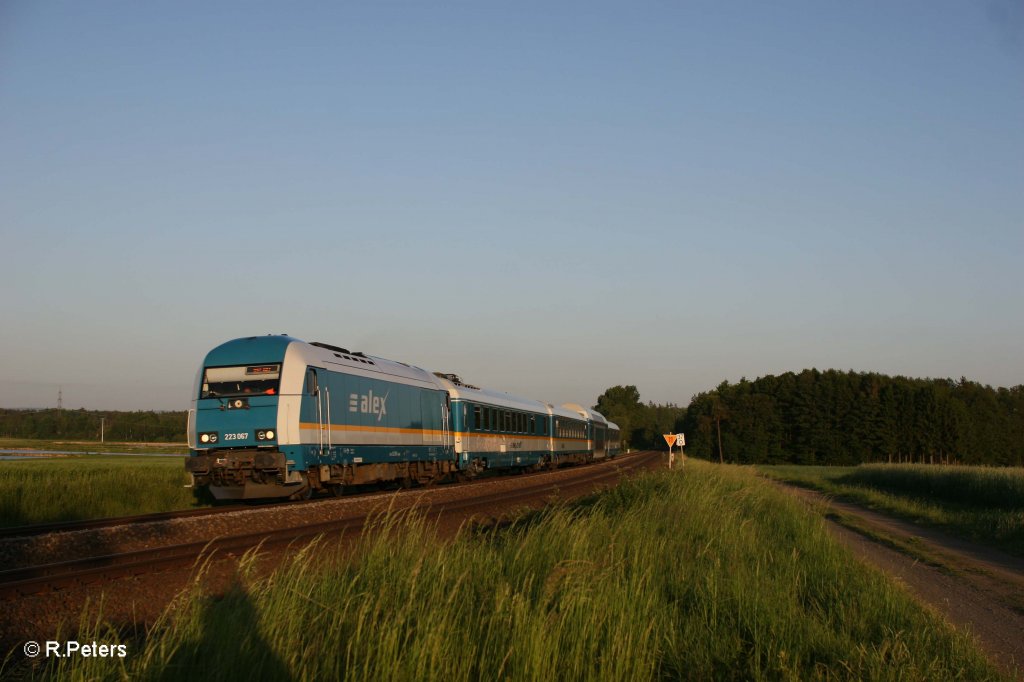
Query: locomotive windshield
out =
(242, 380)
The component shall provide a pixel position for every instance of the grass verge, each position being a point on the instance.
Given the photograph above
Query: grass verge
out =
(91, 486)
(709, 573)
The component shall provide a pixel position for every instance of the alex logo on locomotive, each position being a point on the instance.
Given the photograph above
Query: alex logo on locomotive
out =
(369, 404)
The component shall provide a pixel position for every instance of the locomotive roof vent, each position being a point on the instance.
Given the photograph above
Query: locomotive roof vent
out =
(328, 346)
(344, 353)
(455, 379)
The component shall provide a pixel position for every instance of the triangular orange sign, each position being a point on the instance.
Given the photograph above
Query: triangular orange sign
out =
(670, 438)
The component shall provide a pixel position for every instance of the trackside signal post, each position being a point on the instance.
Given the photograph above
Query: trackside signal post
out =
(673, 439)
(670, 438)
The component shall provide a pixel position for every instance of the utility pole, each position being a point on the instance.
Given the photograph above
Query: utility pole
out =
(60, 410)
(718, 424)
(102, 419)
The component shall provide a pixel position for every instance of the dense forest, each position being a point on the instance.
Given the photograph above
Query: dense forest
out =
(151, 427)
(834, 417)
(837, 417)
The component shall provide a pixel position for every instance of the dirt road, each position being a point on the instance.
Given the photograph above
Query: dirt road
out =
(978, 589)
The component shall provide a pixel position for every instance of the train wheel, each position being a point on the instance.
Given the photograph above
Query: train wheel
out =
(304, 494)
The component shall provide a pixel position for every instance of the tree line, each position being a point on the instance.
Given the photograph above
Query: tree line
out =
(834, 417)
(813, 417)
(641, 425)
(153, 427)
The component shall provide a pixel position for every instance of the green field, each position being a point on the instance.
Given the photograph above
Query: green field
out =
(93, 446)
(710, 573)
(42, 490)
(984, 504)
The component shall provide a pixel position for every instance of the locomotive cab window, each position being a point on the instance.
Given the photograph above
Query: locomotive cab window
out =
(241, 380)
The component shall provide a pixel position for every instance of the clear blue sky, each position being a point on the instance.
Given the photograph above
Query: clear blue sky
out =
(547, 198)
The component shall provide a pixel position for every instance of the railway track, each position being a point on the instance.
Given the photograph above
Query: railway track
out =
(114, 521)
(19, 582)
(111, 522)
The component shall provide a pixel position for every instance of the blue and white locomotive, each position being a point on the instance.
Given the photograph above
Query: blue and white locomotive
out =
(275, 417)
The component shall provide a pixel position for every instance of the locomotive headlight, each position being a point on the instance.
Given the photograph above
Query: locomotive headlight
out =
(208, 438)
(270, 434)
(205, 438)
(265, 434)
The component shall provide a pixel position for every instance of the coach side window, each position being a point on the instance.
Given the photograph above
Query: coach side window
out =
(311, 385)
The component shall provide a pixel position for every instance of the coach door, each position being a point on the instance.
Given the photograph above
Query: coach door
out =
(600, 441)
(316, 387)
(437, 422)
(446, 422)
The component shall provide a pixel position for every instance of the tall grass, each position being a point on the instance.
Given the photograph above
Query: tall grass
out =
(706, 574)
(983, 504)
(92, 486)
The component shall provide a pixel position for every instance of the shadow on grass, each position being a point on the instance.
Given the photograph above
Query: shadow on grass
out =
(229, 646)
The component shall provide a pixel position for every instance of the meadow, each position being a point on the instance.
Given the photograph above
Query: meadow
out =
(983, 504)
(707, 573)
(43, 490)
(84, 446)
